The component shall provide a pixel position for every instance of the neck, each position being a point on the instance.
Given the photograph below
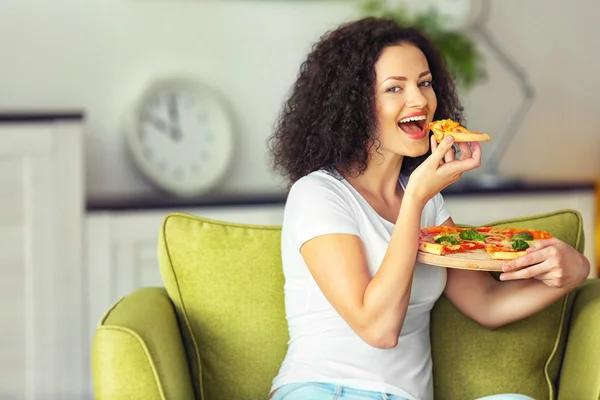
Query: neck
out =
(380, 178)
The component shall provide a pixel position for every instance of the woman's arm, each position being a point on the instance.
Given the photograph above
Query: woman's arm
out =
(559, 268)
(375, 307)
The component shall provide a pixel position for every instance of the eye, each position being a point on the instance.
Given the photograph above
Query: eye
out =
(425, 84)
(394, 89)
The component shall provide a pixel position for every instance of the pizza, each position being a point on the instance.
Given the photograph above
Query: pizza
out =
(499, 243)
(445, 127)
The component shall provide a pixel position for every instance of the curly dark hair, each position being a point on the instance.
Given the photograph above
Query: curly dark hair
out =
(329, 121)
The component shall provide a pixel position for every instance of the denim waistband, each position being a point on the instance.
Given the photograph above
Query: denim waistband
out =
(328, 391)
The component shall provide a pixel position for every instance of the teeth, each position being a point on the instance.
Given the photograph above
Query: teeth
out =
(419, 118)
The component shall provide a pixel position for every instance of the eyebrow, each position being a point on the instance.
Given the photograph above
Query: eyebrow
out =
(403, 78)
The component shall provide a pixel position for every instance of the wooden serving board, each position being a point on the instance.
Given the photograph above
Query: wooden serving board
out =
(475, 260)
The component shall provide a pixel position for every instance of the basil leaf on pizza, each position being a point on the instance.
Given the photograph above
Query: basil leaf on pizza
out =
(471, 234)
(447, 239)
(520, 245)
(523, 236)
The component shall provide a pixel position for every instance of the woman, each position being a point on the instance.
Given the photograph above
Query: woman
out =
(364, 178)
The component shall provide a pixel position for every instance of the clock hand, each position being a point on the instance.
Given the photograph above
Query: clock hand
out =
(174, 115)
(159, 124)
(173, 111)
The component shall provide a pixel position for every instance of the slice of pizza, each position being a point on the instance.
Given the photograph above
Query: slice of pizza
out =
(442, 240)
(445, 127)
(511, 243)
(439, 240)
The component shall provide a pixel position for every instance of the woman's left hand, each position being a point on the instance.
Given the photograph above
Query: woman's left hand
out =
(551, 261)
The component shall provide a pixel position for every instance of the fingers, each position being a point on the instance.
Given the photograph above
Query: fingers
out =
(476, 152)
(437, 155)
(434, 146)
(469, 163)
(433, 143)
(533, 271)
(443, 154)
(547, 272)
(465, 150)
(475, 158)
(526, 260)
(542, 244)
(450, 156)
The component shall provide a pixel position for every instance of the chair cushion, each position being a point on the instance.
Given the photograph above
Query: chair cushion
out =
(523, 357)
(226, 282)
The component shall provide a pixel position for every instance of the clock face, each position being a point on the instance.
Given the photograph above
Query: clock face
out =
(182, 137)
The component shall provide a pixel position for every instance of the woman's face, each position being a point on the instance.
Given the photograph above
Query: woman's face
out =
(405, 100)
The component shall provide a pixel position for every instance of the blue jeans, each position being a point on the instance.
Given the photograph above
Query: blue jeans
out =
(329, 391)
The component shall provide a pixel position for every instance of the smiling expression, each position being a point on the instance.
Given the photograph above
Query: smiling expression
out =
(405, 99)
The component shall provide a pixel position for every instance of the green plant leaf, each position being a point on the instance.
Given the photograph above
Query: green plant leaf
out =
(463, 59)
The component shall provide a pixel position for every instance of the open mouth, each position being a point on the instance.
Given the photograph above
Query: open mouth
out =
(413, 126)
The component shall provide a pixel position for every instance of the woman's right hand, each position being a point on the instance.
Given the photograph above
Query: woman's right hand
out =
(441, 169)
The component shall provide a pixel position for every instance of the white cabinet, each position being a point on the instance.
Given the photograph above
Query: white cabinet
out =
(41, 212)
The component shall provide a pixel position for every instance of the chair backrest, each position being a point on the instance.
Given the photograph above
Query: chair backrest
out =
(523, 357)
(226, 282)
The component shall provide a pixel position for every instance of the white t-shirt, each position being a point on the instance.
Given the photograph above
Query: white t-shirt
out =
(322, 346)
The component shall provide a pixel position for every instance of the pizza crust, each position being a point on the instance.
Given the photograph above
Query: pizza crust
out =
(432, 248)
(506, 255)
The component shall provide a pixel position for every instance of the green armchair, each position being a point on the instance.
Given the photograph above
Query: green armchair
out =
(217, 329)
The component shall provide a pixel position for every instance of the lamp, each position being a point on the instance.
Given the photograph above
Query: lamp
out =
(462, 14)
(488, 173)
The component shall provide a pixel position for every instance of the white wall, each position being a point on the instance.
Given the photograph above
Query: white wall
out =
(555, 41)
(99, 55)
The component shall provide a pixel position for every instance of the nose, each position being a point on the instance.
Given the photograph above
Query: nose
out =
(415, 98)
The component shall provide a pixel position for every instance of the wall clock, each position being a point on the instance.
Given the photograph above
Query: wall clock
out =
(181, 136)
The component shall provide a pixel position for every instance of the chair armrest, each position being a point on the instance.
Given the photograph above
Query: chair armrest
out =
(138, 351)
(580, 372)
